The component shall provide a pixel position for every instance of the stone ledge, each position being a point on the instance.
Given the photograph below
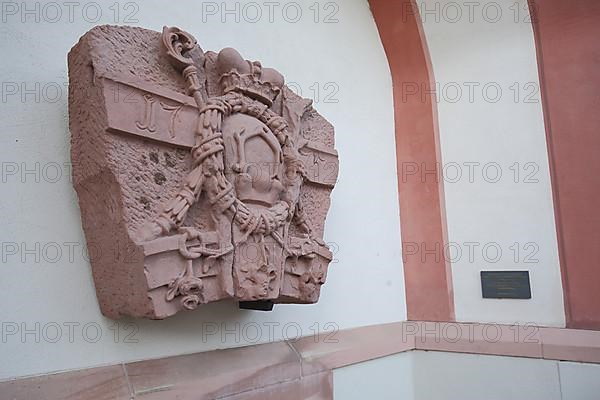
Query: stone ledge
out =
(491, 339)
(351, 346)
(215, 374)
(101, 383)
(302, 368)
(570, 345)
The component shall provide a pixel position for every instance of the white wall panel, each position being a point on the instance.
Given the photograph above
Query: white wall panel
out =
(454, 376)
(386, 378)
(579, 381)
(336, 52)
(497, 183)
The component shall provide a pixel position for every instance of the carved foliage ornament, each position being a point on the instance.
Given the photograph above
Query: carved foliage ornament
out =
(200, 176)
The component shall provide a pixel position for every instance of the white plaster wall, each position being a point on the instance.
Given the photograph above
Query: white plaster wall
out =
(452, 376)
(49, 315)
(579, 381)
(477, 48)
(386, 378)
(423, 375)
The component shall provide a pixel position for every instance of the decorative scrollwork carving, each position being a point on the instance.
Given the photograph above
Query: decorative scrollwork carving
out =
(177, 43)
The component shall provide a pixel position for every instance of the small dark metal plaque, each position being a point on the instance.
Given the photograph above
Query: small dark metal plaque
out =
(505, 285)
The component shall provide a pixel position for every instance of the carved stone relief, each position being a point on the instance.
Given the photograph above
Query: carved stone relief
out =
(200, 175)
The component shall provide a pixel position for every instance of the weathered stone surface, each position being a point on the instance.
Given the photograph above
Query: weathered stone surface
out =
(200, 175)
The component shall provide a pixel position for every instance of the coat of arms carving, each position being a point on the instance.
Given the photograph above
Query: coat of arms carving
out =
(200, 175)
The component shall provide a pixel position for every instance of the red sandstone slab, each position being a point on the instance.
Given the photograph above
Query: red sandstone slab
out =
(104, 383)
(494, 339)
(274, 370)
(200, 175)
(341, 348)
(314, 387)
(428, 283)
(569, 30)
(570, 344)
(214, 374)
